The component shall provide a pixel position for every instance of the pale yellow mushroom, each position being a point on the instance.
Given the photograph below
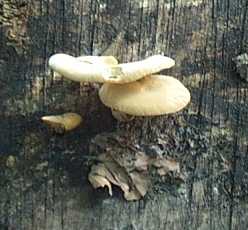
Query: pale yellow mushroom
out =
(105, 69)
(134, 71)
(100, 60)
(77, 70)
(150, 96)
(63, 122)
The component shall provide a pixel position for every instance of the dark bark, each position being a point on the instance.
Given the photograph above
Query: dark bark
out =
(43, 175)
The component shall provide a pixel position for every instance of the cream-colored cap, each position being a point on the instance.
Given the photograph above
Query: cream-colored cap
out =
(77, 70)
(150, 96)
(134, 71)
(63, 122)
(105, 68)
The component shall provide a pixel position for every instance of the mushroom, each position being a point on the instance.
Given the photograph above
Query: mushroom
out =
(106, 69)
(83, 69)
(64, 122)
(134, 71)
(149, 96)
(100, 60)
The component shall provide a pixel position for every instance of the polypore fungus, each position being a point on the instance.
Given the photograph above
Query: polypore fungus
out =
(149, 96)
(64, 122)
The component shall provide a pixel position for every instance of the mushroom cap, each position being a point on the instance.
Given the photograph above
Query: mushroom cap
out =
(82, 71)
(66, 121)
(134, 71)
(105, 68)
(150, 96)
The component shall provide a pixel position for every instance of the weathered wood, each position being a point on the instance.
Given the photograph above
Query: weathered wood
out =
(43, 176)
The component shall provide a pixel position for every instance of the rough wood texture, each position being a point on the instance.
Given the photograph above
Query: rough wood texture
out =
(43, 176)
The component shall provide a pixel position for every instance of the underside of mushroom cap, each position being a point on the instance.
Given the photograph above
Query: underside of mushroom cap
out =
(150, 96)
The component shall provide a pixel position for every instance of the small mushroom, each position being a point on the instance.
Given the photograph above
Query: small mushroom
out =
(149, 96)
(78, 70)
(64, 122)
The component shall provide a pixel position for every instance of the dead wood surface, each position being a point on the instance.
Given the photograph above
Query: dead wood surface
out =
(43, 175)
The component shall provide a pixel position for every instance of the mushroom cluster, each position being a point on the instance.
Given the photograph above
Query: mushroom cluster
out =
(129, 89)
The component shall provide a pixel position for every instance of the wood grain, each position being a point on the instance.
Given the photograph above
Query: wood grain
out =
(43, 176)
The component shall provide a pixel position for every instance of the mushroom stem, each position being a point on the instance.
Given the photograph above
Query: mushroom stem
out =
(120, 116)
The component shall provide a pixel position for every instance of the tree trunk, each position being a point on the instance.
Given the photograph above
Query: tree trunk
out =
(44, 176)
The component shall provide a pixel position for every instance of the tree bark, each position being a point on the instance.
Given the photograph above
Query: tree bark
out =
(43, 175)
